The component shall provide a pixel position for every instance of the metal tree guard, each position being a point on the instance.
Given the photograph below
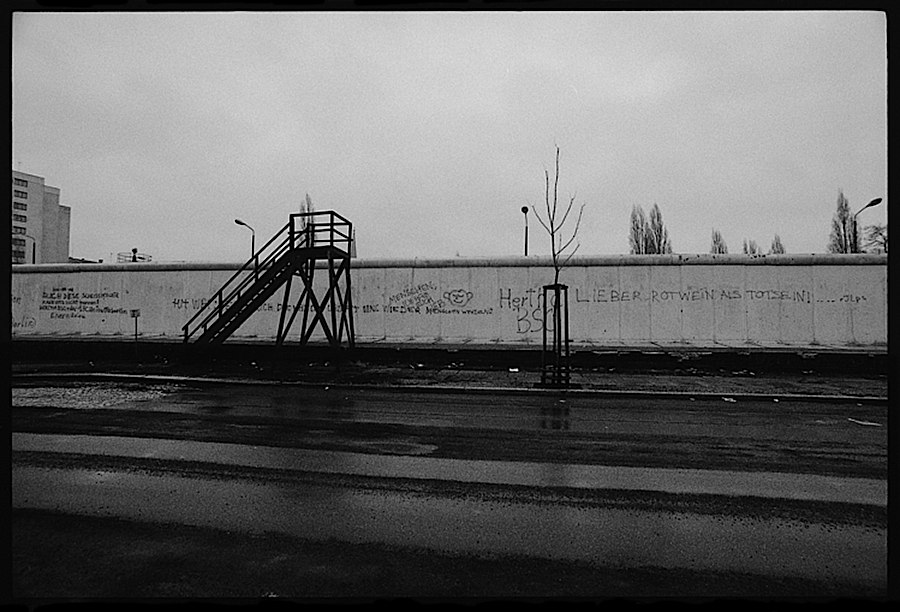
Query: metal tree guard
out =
(555, 371)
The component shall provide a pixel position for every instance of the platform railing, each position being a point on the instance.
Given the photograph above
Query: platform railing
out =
(321, 229)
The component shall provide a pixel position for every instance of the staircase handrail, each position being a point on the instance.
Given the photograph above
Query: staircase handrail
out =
(214, 307)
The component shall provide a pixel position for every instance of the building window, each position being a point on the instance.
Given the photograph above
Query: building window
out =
(20, 205)
(20, 218)
(20, 194)
(18, 242)
(20, 182)
(18, 229)
(18, 256)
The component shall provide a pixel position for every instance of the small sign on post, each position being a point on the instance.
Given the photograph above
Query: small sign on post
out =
(135, 313)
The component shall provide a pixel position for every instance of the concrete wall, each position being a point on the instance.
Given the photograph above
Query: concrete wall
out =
(666, 300)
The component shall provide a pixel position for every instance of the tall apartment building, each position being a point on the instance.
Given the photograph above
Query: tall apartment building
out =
(40, 224)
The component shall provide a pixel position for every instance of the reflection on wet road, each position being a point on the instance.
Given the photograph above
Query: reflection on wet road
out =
(719, 482)
(612, 537)
(800, 420)
(538, 513)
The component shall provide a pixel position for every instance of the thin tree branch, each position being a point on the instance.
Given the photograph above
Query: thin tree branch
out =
(556, 185)
(541, 221)
(568, 242)
(550, 215)
(570, 256)
(575, 231)
(566, 215)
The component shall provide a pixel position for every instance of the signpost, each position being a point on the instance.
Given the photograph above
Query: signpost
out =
(135, 314)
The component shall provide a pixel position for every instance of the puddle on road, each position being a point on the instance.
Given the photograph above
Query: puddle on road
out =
(90, 395)
(541, 413)
(611, 537)
(395, 447)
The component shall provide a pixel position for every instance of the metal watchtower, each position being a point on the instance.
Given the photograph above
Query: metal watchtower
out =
(309, 241)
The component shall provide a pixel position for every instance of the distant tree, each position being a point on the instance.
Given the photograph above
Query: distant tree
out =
(777, 248)
(637, 235)
(750, 247)
(843, 238)
(877, 237)
(307, 206)
(659, 235)
(648, 236)
(554, 224)
(718, 243)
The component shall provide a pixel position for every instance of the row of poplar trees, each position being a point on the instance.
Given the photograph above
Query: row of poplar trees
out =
(648, 235)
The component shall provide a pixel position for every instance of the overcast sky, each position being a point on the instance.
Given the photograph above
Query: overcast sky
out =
(430, 131)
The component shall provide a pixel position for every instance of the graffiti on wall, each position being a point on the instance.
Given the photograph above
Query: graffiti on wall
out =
(527, 305)
(477, 307)
(195, 304)
(421, 299)
(24, 323)
(427, 299)
(65, 302)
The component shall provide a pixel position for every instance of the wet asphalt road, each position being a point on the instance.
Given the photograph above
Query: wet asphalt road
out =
(594, 476)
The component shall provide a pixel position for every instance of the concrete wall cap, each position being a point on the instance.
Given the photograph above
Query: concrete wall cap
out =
(540, 261)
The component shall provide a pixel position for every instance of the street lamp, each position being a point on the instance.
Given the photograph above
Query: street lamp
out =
(874, 202)
(252, 237)
(525, 212)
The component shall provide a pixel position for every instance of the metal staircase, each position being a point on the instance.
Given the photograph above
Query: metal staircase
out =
(296, 250)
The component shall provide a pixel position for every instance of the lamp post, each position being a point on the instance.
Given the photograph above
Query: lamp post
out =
(252, 237)
(525, 212)
(853, 245)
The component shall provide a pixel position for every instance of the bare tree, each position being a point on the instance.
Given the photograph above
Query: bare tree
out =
(648, 236)
(555, 355)
(750, 247)
(877, 237)
(843, 238)
(659, 235)
(306, 207)
(554, 224)
(637, 235)
(718, 243)
(777, 248)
